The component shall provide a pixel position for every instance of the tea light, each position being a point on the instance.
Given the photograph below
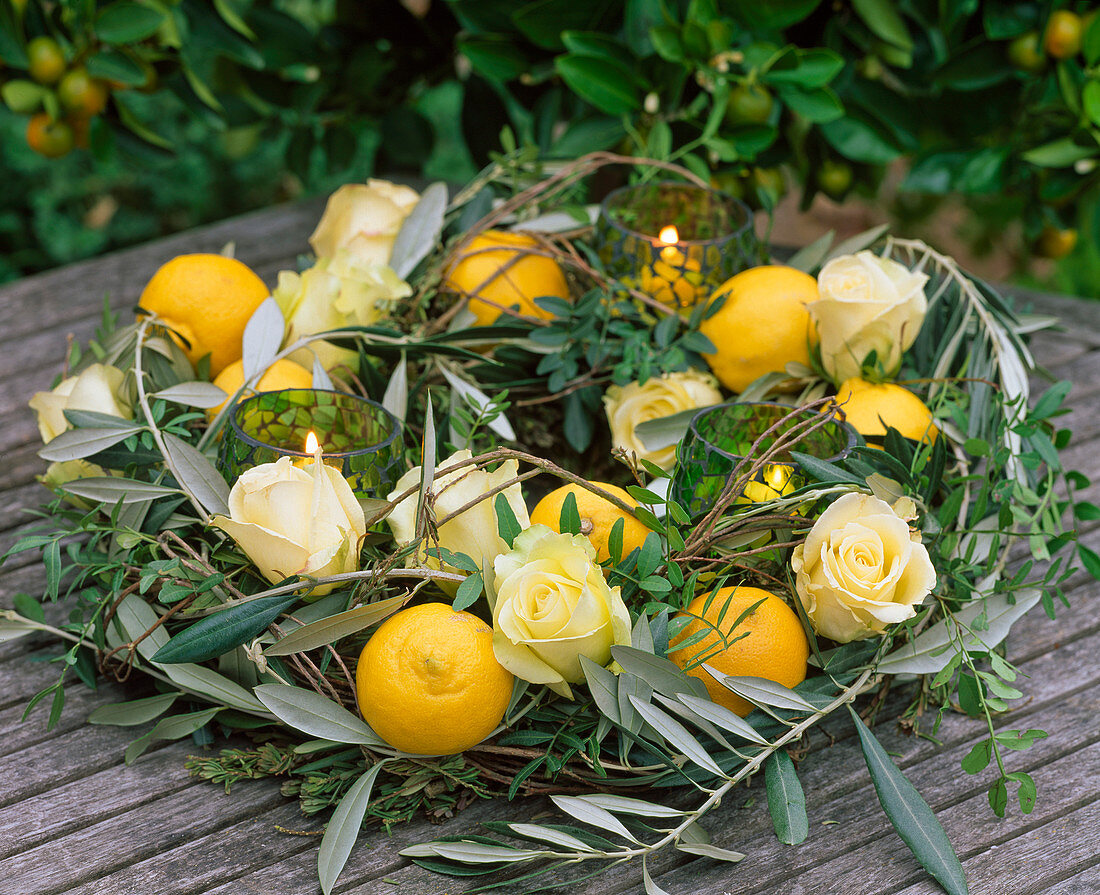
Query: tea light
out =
(347, 432)
(675, 242)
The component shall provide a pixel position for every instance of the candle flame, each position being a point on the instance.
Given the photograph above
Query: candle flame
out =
(669, 235)
(312, 443)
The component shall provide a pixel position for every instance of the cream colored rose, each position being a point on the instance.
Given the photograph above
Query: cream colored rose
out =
(295, 520)
(866, 304)
(472, 532)
(628, 406)
(861, 569)
(97, 387)
(338, 291)
(553, 606)
(364, 219)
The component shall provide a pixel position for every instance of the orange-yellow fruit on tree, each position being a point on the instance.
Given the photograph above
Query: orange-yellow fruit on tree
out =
(428, 682)
(762, 326)
(598, 516)
(81, 94)
(1062, 38)
(45, 60)
(207, 300)
(870, 407)
(499, 270)
(50, 138)
(281, 374)
(769, 642)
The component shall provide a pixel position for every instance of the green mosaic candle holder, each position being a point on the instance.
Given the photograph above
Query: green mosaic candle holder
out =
(356, 435)
(719, 438)
(714, 240)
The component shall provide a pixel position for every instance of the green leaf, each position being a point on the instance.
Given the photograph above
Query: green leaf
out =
(195, 473)
(676, 735)
(468, 592)
(115, 66)
(661, 674)
(329, 630)
(722, 717)
(882, 18)
(420, 231)
(786, 801)
(174, 728)
(977, 759)
(587, 811)
(819, 105)
(136, 711)
(1089, 560)
(706, 850)
(112, 489)
(815, 68)
(628, 805)
(233, 19)
(23, 97)
(861, 141)
(910, 814)
(220, 632)
(75, 444)
(550, 836)
(343, 828)
(825, 472)
(604, 84)
(316, 715)
(761, 691)
(1059, 153)
(932, 649)
(125, 22)
(193, 394)
(569, 520)
(263, 336)
(508, 526)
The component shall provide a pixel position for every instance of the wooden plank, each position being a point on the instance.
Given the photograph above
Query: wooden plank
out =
(99, 796)
(1081, 317)
(156, 825)
(267, 240)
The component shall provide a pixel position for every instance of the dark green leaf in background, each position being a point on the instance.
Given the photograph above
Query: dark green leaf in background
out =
(607, 85)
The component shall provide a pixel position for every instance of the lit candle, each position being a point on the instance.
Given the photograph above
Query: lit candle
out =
(674, 278)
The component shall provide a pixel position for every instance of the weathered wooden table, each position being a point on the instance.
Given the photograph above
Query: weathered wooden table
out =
(74, 819)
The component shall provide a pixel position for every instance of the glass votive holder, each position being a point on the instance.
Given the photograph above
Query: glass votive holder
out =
(720, 438)
(356, 435)
(675, 242)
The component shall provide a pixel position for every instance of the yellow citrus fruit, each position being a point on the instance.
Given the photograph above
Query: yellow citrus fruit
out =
(281, 374)
(598, 516)
(769, 642)
(763, 325)
(208, 300)
(429, 683)
(1062, 38)
(498, 270)
(867, 406)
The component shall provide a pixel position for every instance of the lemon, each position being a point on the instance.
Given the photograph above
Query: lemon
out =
(769, 642)
(207, 300)
(499, 269)
(869, 408)
(281, 374)
(763, 325)
(598, 516)
(428, 682)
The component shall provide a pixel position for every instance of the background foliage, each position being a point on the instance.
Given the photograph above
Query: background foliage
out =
(182, 111)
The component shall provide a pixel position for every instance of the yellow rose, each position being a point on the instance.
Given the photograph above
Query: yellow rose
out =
(630, 405)
(336, 292)
(97, 387)
(866, 304)
(553, 606)
(861, 569)
(364, 219)
(295, 520)
(472, 532)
